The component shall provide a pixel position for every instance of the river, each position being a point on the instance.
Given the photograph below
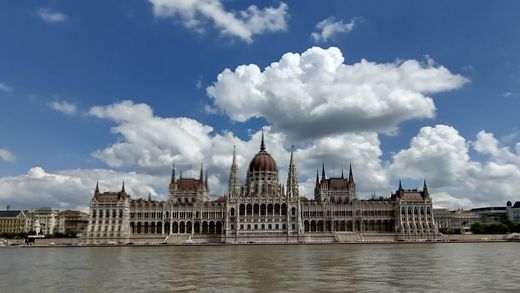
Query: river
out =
(427, 267)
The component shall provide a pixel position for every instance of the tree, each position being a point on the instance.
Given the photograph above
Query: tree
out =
(477, 228)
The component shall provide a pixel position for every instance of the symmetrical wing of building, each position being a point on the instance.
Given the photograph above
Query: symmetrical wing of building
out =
(260, 210)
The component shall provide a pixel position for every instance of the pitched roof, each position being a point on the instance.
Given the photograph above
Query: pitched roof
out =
(9, 214)
(412, 196)
(110, 196)
(186, 183)
(338, 183)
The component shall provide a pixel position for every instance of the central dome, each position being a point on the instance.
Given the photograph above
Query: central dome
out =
(263, 160)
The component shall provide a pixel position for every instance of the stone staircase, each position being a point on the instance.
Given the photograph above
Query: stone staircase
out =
(348, 237)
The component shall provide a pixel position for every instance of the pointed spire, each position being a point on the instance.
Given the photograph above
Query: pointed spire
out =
(317, 178)
(322, 171)
(201, 176)
(350, 175)
(206, 179)
(342, 177)
(149, 196)
(172, 181)
(400, 185)
(234, 156)
(97, 188)
(262, 144)
(123, 187)
(292, 179)
(425, 189)
(234, 182)
(291, 162)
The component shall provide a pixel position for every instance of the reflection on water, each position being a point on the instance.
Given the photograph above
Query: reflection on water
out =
(263, 268)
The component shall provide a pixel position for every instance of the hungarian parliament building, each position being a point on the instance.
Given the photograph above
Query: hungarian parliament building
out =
(261, 210)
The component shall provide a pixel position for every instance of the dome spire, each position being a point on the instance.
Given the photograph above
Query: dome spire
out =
(262, 144)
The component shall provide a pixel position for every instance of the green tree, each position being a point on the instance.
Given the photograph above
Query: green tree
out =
(477, 228)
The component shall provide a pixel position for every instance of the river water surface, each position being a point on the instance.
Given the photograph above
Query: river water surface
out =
(452, 267)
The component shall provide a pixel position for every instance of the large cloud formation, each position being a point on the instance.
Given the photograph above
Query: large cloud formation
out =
(73, 188)
(441, 155)
(152, 144)
(243, 24)
(316, 94)
(343, 107)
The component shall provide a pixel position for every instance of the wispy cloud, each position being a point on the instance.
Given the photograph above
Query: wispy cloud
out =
(198, 83)
(5, 88)
(510, 94)
(243, 24)
(6, 155)
(327, 28)
(63, 107)
(51, 16)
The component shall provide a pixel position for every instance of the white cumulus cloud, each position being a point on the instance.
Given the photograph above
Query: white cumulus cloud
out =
(51, 16)
(441, 155)
(153, 144)
(6, 155)
(327, 28)
(316, 94)
(64, 107)
(243, 24)
(72, 189)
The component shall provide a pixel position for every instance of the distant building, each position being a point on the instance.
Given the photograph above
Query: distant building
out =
(461, 220)
(442, 218)
(48, 219)
(260, 210)
(490, 215)
(72, 222)
(13, 222)
(513, 211)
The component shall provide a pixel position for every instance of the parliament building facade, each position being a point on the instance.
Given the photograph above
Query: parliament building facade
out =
(261, 210)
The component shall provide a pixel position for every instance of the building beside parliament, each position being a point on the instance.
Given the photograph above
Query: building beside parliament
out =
(261, 210)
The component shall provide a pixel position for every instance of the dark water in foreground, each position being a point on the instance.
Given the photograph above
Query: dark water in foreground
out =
(477, 267)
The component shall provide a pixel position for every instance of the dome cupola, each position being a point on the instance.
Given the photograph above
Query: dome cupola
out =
(263, 161)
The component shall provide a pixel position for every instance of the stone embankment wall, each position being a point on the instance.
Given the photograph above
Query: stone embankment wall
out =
(474, 237)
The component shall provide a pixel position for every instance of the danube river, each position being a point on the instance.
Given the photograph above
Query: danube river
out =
(447, 267)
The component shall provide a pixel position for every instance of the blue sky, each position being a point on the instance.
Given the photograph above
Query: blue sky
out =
(59, 59)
